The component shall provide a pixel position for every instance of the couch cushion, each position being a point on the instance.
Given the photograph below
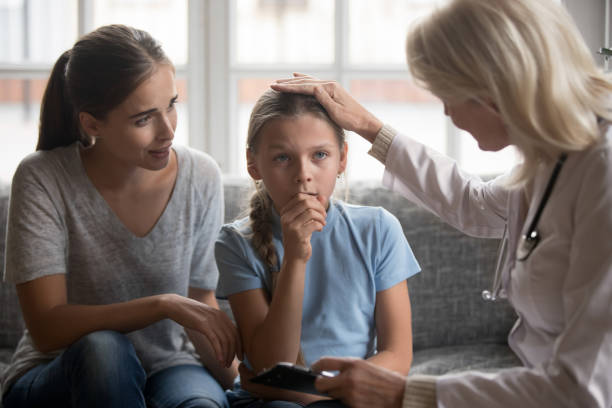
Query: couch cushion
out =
(10, 313)
(453, 359)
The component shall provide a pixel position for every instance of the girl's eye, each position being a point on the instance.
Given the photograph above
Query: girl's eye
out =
(143, 121)
(281, 158)
(320, 155)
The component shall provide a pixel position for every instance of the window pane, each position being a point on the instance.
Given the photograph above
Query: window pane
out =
(381, 40)
(181, 136)
(409, 109)
(36, 30)
(165, 20)
(248, 91)
(19, 109)
(19, 113)
(283, 31)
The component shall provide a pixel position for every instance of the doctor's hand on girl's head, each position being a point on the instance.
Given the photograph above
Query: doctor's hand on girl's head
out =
(300, 217)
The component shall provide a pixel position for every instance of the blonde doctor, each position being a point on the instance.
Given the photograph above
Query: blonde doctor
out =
(510, 72)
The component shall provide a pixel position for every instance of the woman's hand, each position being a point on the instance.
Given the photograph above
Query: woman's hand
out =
(360, 384)
(340, 106)
(300, 217)
(213, 323)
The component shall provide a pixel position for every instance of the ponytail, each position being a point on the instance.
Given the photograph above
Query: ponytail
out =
(58, 125)
(261, 224)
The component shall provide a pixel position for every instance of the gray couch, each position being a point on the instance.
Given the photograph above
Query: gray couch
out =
(453, 328)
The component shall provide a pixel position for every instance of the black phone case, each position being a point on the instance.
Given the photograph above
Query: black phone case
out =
(289, 377)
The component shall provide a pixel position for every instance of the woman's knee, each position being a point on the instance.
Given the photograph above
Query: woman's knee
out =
(204, 402)
(103, 352)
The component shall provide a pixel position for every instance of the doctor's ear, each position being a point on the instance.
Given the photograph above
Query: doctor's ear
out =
(252, 165)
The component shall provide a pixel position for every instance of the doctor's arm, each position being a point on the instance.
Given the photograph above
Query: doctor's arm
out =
(419, 173)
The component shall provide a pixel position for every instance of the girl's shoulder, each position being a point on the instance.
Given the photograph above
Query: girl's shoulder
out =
(239, 229)
(364, 215)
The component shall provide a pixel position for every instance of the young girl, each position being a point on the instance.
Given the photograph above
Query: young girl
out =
(307, 275)
(110, 241)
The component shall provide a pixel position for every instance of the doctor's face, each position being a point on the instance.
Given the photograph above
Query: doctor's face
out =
(482, 121)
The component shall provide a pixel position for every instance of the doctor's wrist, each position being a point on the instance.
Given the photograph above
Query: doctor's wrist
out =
(420, 392)
(381, 144)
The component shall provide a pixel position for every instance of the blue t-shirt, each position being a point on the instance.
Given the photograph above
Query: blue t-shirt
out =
(360, 251)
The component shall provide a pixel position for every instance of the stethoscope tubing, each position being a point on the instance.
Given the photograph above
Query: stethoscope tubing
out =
(530, 238)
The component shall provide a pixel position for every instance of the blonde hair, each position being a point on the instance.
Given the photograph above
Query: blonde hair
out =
(270, 106)
(526, 57)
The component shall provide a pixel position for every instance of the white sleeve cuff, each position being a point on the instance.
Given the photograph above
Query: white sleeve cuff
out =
(381, 144)
(420, 392)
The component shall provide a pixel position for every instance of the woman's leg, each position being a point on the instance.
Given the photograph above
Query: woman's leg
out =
(99, 370)
(184, 386)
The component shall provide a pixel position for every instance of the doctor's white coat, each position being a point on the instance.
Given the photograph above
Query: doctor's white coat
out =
(562, 292)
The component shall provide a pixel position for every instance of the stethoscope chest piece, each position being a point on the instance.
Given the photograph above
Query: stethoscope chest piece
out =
(527, 244)
(531, 239)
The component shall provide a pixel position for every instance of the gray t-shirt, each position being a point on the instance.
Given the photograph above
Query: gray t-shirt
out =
(59, 223)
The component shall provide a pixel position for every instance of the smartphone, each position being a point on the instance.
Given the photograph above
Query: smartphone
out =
(291, 377)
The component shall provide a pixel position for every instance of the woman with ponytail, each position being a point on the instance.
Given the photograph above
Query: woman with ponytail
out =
(307, 275)
(110, 241)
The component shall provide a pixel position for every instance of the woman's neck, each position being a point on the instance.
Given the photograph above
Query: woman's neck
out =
(109, 174)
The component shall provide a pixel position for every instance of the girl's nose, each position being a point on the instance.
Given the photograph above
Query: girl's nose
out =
(303, 175)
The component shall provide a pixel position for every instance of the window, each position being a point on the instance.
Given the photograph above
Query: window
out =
(228, 51)
(34, 33)
(358, 43)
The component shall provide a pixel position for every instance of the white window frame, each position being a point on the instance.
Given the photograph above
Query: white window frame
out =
(212, 76)
(223, 74)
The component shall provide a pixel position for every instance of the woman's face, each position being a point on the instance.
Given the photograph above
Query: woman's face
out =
(139, 131)
(483, 122)
(297, 155)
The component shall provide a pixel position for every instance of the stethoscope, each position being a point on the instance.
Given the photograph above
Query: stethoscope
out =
(528, 242)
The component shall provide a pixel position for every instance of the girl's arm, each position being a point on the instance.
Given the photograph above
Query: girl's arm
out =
(224, 374)
(394, 329)
(271, 331)
(55, 324)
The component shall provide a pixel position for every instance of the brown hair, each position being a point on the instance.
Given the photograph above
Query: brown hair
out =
(96, 75)
(274, 105)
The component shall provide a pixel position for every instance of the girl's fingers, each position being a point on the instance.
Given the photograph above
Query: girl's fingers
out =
(299, 204)
(308, 218)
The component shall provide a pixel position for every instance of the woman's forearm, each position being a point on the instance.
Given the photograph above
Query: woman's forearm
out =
(62, 325)
(224, 375)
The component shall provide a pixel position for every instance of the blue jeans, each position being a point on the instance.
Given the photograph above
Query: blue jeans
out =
(241, 398)
(102, 370)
